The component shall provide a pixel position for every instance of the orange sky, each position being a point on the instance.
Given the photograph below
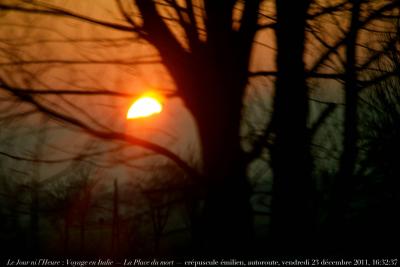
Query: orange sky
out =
(55, 36)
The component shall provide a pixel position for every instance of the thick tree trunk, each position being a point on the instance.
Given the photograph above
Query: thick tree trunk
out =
(227, 214)
(292, 219)
(211, 79)
(227, 217)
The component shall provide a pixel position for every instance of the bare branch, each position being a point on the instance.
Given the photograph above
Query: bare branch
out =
(88, 92)
(110, 135)
(376, 14)
(309, 75)
(328, 10)
(56, 11)
(89, 62)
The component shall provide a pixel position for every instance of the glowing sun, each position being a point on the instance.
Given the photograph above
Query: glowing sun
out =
(144, 106)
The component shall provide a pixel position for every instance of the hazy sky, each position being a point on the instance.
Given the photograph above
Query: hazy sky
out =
(37, 38)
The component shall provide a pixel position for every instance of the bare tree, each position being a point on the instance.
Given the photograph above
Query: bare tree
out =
(206, 48)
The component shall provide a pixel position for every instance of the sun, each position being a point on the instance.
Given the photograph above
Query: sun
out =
(144, 106)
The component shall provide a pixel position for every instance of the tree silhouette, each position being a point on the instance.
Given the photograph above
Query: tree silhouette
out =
(207, 48)
(291, 144)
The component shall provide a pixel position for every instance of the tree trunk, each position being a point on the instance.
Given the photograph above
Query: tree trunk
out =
(211, 79)
(349, 154)
(34, 217)
(226, 223)
(66, 232)
(292, 219)
(344, 181)
(227, 214)
(115, 232)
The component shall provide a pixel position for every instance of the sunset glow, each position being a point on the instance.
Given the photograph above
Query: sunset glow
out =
(145, 106)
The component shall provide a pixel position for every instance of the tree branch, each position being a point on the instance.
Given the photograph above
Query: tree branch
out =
(108, 135)
(56, 11)
(60, 61)
(361, 24)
